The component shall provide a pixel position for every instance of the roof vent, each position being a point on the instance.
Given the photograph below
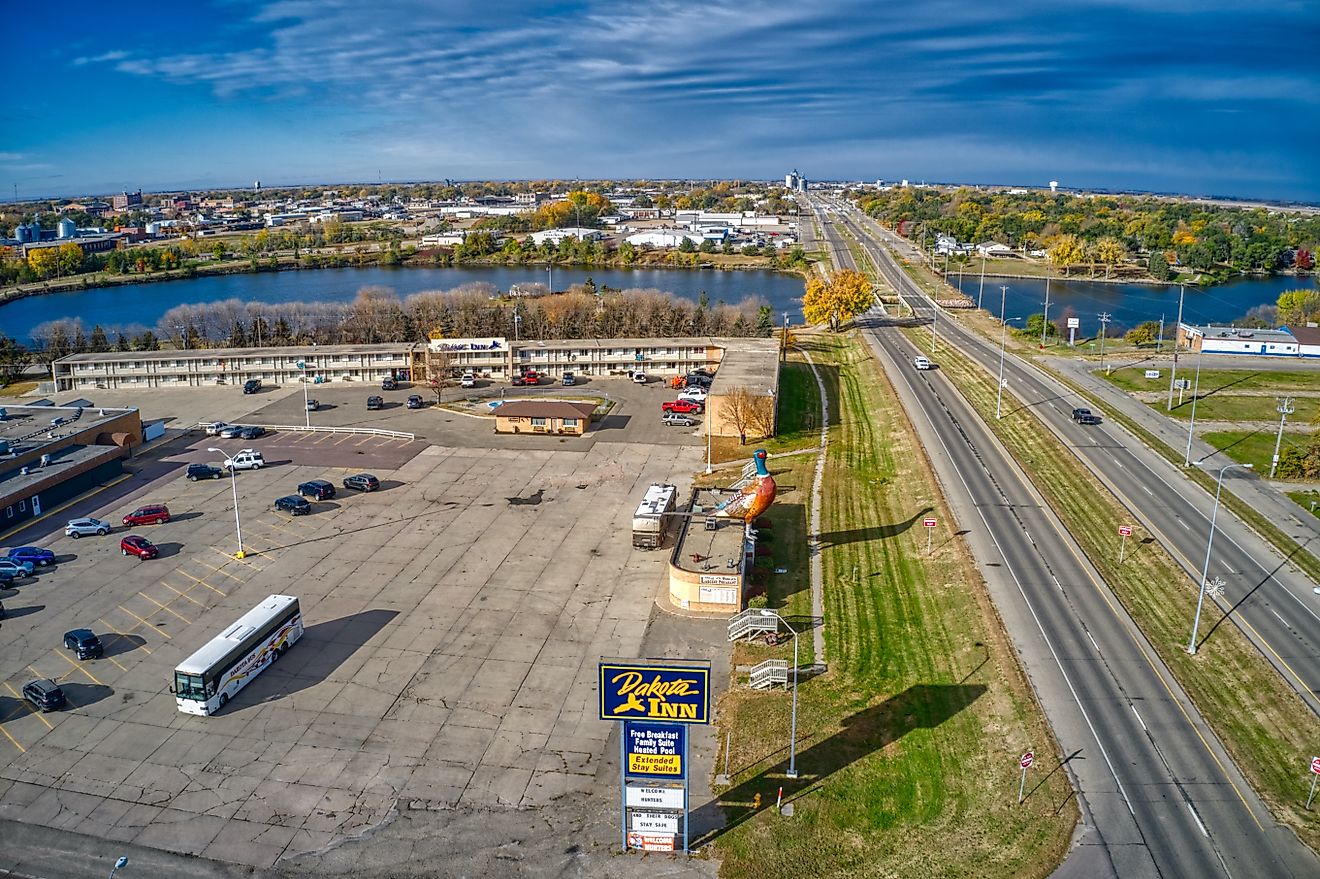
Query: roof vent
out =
(45, 460)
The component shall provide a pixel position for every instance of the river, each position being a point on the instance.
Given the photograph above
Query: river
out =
(142, 305)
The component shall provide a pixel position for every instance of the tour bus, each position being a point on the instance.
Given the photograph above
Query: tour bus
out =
(207, 680)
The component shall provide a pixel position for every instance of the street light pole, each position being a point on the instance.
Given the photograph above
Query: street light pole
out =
(1173, 373)
(792, 736)
(233, 483)
(307, 413)
(119, 865)
(1196, 387)
(981, 291)
(1205, 568)
(1285, 408)
(1003, 343)
(1045, 324)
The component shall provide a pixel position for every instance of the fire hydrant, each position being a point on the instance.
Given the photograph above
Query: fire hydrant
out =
(756, 802)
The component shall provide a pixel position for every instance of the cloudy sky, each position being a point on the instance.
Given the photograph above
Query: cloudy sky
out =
(1197, 96)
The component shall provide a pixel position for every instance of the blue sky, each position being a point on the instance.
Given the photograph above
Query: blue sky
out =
(1197, 96)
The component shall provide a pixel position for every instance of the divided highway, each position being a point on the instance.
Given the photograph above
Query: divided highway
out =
(1158, 793)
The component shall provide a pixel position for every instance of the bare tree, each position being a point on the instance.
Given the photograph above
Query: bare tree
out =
(763, 415)
(737, 409)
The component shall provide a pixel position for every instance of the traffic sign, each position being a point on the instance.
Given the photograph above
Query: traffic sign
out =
(1315, 765)
(1027, 759)
(1125, 530)
(929, 521)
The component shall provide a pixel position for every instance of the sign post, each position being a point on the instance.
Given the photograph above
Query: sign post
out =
(654, 701)
(1315, 775)
(1073, 324)
(1025, 762)
(1124, 531)
(930, 523)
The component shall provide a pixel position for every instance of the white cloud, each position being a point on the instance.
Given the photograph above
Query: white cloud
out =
(103, 58)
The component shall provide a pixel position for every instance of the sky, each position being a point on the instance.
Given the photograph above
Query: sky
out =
(1204, 97)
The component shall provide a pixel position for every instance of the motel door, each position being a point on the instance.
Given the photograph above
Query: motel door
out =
(36, 505)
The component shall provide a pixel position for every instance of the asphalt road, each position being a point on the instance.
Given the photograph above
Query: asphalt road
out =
(1264, 595)
(1159, 795)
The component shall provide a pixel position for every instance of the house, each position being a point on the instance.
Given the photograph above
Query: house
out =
(993, 249)
(1232, 340)
(662, 238)
(554, 236)
(543, 416)
(1308, 339)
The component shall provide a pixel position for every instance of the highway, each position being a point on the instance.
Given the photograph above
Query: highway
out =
(1158, 794)
(1270, 600)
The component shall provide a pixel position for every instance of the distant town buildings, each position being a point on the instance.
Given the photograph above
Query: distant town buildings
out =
(126, 200)
(795, 181)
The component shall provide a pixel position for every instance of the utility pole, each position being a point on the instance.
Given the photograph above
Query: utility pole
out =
(1285, 408)
(1182, 290)
(981, 291)
(1104, 322)
(1045, 324)
(783, 348)
(1159, 340)
(1191, 425)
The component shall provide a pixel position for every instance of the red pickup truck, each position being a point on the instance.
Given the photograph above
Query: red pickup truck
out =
(685, 407)
(526, 377)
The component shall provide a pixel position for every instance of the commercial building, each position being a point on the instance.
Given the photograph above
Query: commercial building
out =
(559, 417)
(52, 454)
(711, 558)
(1235, 340)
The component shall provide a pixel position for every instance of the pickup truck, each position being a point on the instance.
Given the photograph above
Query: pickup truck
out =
(682, 407)
(247, 459)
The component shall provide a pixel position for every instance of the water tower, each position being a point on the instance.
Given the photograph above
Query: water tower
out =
(1054, 186)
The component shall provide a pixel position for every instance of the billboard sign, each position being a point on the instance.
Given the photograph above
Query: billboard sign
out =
(651, 842)
(654, 822)
(654, 749)
(655, 690)
(638, 796)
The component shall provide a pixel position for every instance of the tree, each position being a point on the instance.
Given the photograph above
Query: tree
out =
(1159, 268)
(765, 322)
(1036, 322)
(845, 295)
(13, 359)
(70, 257)
(97, 342)
(1066, 252)
(739, 409)
(1296, 307)
(1109, 252)
(121, 342)
(1304, 260)
(1144, 333)
(237, 335)
(686, 245)
(43, 261)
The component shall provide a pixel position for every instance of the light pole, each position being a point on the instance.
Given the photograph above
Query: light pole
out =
(981, 290)
(1173, 373)
(551, 269)
(119, 865)
(1205, 568)
(1003, 343)
(233, 483)
(307, 413)
(1045, 324)
(1196, 387)
(1285, 408)
(792, 736)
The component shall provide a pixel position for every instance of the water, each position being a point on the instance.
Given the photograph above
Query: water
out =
(143, 304)
(1128, 304)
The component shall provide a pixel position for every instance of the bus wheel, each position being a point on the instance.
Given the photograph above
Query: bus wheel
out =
(224, 697)
(276, 653)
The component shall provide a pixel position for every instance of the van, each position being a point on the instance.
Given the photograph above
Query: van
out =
(639, 378)
(920, 362)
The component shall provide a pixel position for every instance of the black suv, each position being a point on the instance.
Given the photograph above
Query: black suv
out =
(374, 402)
(362, 482)
(251, 386)
(294, 505)
(1088, 418)
(84, 644)
(316, 489)
(44, 694)
(203, 471)
(415, 401)
(1079, 414)
(389, 385)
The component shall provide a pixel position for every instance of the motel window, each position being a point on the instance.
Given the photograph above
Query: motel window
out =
(538, 422)
(22, 505)
(570, 422)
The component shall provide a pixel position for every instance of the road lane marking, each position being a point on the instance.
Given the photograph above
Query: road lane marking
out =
(1197, 819)
(1280, 619)
(165, 607)
(1139, 720)
(1092, 637)
(1146, 489)
(166, 635)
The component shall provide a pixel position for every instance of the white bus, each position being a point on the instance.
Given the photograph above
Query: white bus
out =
(205, 681)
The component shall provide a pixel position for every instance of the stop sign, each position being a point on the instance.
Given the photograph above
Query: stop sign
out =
(1027, 759)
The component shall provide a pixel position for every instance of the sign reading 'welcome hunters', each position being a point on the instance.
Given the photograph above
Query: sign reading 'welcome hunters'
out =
(655, 690)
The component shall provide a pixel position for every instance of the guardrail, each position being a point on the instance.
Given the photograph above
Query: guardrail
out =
(365, 431)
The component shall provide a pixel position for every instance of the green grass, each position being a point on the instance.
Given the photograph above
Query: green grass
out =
(910, 740)
(1217, 380)
(1305, 499)
(1255, 447)
(1240, 408)
(1264, 724)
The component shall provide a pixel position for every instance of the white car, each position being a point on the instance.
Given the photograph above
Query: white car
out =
(468, 380)
(213, 428)
(639, 378)
(921, 362)
(247, 459)
(78, 527)
(696, 394)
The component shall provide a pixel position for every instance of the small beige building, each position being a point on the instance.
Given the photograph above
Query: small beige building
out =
(543, 416)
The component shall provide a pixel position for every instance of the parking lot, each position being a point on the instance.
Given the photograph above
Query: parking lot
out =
(453, 623)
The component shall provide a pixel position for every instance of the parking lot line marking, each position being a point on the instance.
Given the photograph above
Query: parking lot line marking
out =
(77, 666)
(322, 438)
(119, 634)
(239, 561)
(343, 439)
(201, 582)
(37, 713)
(164, 607)
(184, 595)
(13, 740)
(216, 570)
(162, 632)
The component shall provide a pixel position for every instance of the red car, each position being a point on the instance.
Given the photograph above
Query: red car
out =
(683, 407)
(151, 514)
(138, 546)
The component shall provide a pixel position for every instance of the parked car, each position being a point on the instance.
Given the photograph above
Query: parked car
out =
(313, 404)
(697, 378)
(251, 386)
(677, 419)
(246, 459)
(214, 427)
(531, 377)
(76, 528)
(45, 695)
(318, 489)
(389, 384)
(519, 380)
(703, 372)
(84, 644)
(139, 546)
(1088, 419)
(149, 514)
(569, 379)
(921, 362)
(683, 407)
(37, 555)
(15, 570)
(362, 482)
(6, 577)
(293, 504)
(374, 402)
(415, 401)
(1079, 413)
(697, 394)
(469, 380)
(232, 431)
(639, 378)
(203, 471)
(251, 433)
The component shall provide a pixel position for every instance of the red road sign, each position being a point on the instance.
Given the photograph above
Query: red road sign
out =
(1315, 765)
(1125, 530)
(929, 521)
(1027, 759)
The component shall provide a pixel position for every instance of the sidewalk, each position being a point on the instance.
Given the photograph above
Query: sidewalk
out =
(1263, 495)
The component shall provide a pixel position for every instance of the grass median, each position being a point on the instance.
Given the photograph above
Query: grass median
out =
(911, 739)
(1261, 721)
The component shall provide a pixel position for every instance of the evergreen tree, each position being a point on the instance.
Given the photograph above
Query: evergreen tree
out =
(1159, 267)
(283, 335)
(237, 336)
(146, 342)
(765, 324)
(121, 342)
(191, 337)
(79, 341)
(98, 342)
